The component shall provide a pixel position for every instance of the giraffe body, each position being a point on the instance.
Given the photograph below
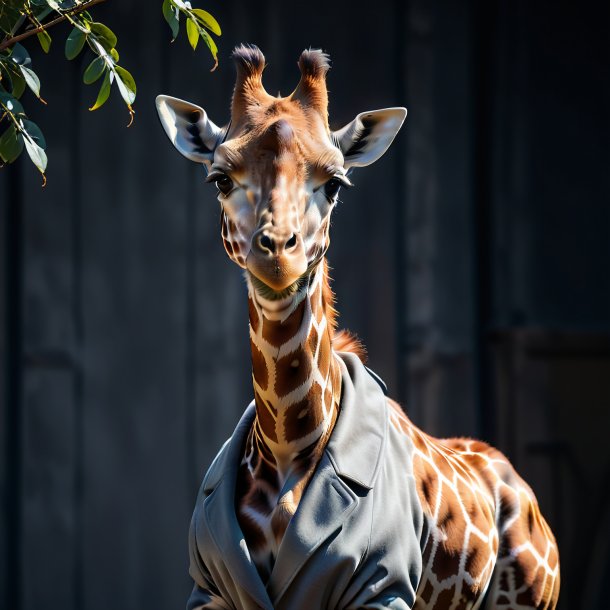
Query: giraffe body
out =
(486, 532)
(444, 524)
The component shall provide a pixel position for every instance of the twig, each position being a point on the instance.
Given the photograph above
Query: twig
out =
(46, 26)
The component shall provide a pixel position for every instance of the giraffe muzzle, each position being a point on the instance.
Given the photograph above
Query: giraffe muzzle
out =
(277, 258)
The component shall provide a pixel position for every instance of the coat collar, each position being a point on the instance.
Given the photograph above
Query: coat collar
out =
(353, 455)
(356, 444)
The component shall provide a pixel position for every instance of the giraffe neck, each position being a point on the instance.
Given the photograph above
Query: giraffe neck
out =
(295, 374)
(297, 387)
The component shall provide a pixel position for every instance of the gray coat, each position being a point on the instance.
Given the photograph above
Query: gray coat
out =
(356, 538)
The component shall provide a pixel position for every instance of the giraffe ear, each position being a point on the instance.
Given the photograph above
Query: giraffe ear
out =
(189, 128)
(369, 135)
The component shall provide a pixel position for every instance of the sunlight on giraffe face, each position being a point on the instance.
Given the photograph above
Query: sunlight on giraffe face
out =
(278, 182)
(278, 167)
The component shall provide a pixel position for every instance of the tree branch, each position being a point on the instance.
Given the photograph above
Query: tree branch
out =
(46, 26)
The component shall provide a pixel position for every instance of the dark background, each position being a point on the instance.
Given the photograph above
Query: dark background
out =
(473, 260)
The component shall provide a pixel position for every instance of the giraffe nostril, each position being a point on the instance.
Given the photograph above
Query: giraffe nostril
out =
(266, 243)
(292, 242)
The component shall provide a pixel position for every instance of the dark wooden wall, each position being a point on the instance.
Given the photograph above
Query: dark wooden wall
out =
(473, 260)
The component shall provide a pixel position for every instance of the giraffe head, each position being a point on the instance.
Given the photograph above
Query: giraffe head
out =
(278, 167)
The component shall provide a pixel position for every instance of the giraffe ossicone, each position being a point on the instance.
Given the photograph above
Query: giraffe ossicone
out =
(468, 528)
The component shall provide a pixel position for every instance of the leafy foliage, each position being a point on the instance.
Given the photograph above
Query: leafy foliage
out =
(21, 19)
(197, 22)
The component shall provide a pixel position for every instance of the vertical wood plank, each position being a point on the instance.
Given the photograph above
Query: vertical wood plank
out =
(48, 422)
(49, 435)
(439, 219)
(136, 509)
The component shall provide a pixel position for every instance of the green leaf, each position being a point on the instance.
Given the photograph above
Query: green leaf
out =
(94, 70)
(11, 145)
(211, 45)
(37, 154)
(45, 40)
(75, 43)
(12, 75)
(33, 82)
(192, 31)
(104, 34)
(126, 85)
(207, 21)
(103, 94)
(9, 18)
(114, 54)
(20, 56)
(171, 15)
(34, 132)
(12, 105)
(18, 85)
(41, 10)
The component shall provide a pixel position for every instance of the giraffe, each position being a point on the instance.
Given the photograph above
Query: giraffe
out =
(278, 169)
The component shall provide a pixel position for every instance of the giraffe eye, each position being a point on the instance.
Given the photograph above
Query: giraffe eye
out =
(331, 188)
(224, 184)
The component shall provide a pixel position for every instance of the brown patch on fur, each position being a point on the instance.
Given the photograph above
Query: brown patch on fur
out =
(447, 563)
(426, 594)
(300, 419)
(259, 367)
(312, 340)
(253, 314)
(278, 333)
(445, 599)
(289, 377)
(324, 356)
(266, 419)
(476, 559)
(427, 481)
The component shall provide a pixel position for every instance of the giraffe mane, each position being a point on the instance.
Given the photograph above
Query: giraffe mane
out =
(342, 340)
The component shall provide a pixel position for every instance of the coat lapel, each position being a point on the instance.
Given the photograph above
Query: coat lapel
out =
(322, 510)
(220, 518)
